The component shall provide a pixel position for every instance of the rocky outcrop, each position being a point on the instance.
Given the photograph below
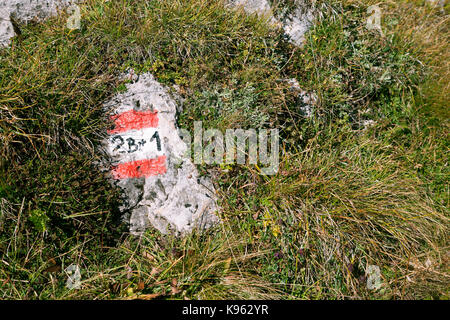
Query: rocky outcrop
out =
(152, 163)
(24, 11)
(295, 24)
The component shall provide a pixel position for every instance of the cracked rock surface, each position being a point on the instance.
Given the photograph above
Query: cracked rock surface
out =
(261, 7)
(25, 11)
(298, 23)
(295, 25)
(177, 201)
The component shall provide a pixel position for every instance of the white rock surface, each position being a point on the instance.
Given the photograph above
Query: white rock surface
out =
(261, 7)
(24, 11)
(251, 6)
(298, 23)
(178, 201)
(438, 3)
(307, 100)
(295, 25)
(6, 28)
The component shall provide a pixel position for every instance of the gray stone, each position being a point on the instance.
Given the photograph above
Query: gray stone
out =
(6, 29)
(438, 3)
(308, 100)
(295, 25)
(178, 201)
(24, 11)
(298, 23)
(260, 7)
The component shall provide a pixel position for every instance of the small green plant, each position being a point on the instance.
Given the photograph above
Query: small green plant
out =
(347, 195)
(39, 220)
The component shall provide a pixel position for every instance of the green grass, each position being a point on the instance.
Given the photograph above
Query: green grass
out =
(346, 196)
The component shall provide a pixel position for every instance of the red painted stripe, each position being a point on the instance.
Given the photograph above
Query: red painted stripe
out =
(140, 168)
(134, 120)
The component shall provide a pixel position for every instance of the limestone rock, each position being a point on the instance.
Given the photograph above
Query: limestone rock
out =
(167, 194)
(307, 100)
(295, 25)
(261, 7)
(298, 23)
(24, 11)
(6, 29)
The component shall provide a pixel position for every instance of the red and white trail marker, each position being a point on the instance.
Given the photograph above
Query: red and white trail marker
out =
(136, 140)
(150, 163)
